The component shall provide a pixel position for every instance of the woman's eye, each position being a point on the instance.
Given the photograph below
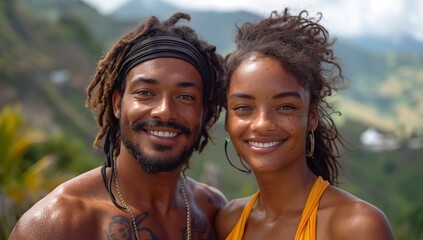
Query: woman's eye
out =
(286, 107)
(186, 97)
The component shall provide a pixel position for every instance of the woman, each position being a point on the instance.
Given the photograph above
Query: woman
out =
(279, 121)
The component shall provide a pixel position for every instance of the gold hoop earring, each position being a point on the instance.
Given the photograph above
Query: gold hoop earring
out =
(310, 153)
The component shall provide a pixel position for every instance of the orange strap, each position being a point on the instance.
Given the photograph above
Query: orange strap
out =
(237, 232)
(307, 227)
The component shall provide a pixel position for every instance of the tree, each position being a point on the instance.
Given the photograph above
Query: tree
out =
(22, 181)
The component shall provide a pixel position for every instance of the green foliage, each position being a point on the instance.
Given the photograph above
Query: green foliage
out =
(390, 180)
(411, 224)
(22, 184)
(15, 140)
(32, 163)
(67, 112)
(77, 31)
(72, 153)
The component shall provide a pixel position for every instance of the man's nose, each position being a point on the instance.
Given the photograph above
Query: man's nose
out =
(165, 109)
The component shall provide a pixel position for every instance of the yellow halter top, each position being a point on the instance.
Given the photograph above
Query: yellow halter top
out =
(307, 227)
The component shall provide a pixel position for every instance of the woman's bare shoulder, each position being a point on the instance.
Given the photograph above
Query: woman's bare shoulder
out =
(350, 217)
(229, 215)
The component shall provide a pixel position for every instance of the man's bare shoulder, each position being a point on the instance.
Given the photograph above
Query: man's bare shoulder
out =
(236, 206)
(207, 194)
(353, 218)
(67, 209)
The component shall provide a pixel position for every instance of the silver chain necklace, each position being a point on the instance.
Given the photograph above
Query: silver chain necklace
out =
(134, 224)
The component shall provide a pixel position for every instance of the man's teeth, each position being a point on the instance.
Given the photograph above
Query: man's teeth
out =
(163, 134)
(264, 145)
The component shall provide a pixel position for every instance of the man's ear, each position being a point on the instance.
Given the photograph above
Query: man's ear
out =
(116, 101)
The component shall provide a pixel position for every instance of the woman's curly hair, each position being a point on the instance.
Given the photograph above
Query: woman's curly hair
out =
(105, 80)
(303, 47)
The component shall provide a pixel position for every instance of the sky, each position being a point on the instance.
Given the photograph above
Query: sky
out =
(383, 18)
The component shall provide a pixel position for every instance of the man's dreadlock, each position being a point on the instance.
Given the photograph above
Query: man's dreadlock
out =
(106, 81)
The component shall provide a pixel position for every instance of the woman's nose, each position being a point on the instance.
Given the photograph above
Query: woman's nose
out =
(263, 122)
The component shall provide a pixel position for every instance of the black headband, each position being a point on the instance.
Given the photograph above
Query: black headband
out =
(167, 46)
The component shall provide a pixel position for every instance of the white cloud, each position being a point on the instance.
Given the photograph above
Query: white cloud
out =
(388, 18)
(105, 6)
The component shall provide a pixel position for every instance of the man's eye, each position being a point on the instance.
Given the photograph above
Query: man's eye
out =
(242, 108)
(145, 93)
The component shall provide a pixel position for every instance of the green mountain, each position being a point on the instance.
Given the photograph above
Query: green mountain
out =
(217, 27)
(45, 66)
(103, 28)
(390, 82)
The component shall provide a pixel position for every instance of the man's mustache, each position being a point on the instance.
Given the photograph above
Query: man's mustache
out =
(138, 126)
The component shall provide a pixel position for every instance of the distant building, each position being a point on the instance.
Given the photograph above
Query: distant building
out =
(375, 141)
(59, 77)
(415, 142)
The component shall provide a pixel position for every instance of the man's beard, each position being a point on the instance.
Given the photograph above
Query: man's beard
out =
(152, 164)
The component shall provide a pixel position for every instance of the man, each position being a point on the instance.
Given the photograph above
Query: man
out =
(154, 97)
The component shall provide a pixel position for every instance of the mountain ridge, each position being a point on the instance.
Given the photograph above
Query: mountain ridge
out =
(372, 73)
(135, 10)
